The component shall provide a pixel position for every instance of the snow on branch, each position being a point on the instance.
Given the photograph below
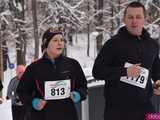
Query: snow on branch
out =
(158, 8)
(4, 19)
(7, 12)
(76, 24)
(43, 21)
(147, 3)
(70, 9)
(17, 5)
(78, 4)
(97, 13)
(20, 21)
(155, 21)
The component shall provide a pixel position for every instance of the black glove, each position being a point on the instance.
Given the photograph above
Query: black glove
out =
(17, 100)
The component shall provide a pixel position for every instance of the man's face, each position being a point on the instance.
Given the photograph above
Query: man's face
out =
(134, 20)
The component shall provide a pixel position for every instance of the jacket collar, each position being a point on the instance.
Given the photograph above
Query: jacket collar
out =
(124, 32)
(45, 56)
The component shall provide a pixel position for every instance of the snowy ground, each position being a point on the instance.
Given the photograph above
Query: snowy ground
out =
(79, 52)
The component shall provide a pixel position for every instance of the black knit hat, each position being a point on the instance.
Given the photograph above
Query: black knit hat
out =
(48, 34)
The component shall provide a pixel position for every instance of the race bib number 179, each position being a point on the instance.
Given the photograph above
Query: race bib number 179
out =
(59, 89)
(139, 81)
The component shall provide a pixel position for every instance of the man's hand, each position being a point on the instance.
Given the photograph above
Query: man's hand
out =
(134, 70)
(156, 87)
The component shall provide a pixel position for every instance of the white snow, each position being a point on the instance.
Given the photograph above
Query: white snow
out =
(5, 107)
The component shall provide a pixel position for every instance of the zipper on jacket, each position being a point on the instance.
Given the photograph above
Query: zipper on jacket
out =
(140, 49)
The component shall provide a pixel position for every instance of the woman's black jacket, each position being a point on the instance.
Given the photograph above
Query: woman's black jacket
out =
(32, 86)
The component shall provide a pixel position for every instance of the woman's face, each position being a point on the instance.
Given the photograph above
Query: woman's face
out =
(55, 46)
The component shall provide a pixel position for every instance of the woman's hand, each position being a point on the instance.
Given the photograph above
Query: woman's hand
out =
(38, 104)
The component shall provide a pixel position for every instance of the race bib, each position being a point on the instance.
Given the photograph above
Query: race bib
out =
(59, 89)
(139, 81)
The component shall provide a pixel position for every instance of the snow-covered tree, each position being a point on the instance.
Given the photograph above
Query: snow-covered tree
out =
(75, 16)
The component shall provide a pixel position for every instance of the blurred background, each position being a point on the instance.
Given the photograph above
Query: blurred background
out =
(87, 23)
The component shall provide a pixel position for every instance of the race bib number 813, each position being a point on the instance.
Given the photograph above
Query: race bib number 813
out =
(59, 89)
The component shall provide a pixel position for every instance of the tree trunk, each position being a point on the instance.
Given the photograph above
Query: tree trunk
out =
(22, 52)
(99, 38)
(88, 42)
(88, 31)
(34, 14)
(21, 40)
(112, 23)
(1, 58)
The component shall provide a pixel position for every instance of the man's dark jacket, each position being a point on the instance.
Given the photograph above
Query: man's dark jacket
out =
(109, 66)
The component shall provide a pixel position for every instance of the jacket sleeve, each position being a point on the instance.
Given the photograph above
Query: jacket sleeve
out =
(26, 86)
(11, 87)
(80, 84)
(103, 67)
(155, 74)
(1, 85)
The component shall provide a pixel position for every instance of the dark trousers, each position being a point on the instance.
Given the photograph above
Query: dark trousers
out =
(18, 112)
